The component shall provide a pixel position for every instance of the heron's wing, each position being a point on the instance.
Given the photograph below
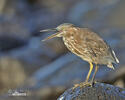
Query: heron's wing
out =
(98, 47)
(91, 43)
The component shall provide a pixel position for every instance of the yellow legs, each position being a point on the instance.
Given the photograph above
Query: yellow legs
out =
(89, 73)
(87, 83)
(93, 77)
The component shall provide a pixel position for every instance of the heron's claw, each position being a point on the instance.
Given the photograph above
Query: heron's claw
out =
(82, 85)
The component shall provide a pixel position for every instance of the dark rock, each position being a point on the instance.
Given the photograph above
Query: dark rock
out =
(99, 91)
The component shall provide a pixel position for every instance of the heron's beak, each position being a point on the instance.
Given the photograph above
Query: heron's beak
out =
(49, 30)
(52, 36)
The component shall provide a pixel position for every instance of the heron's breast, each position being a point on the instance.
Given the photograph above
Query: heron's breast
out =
(71, 45)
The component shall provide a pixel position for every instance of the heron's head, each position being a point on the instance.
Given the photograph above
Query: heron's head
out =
(64, 26)
(58, 30)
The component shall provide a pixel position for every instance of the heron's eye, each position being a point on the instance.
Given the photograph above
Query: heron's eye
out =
(63, 28)
(60, 28)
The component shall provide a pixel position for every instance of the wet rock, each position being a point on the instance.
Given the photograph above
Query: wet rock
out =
(99, 91)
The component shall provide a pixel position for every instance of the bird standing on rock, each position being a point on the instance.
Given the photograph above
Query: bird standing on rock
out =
(87, 45)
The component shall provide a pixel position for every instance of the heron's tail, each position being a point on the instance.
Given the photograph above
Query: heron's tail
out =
(114, 56)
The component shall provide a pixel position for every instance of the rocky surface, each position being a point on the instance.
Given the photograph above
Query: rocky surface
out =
(99, 91)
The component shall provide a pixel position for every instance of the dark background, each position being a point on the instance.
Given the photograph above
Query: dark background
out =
(45, 69)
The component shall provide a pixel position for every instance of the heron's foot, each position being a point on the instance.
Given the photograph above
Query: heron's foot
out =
(75, 86)
(93, 82)
(82, 85)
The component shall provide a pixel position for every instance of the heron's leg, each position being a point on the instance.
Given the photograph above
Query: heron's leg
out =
(86, 83)
(89, 73)
(93, 77)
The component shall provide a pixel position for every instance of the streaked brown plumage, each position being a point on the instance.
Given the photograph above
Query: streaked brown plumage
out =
(86, 44)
